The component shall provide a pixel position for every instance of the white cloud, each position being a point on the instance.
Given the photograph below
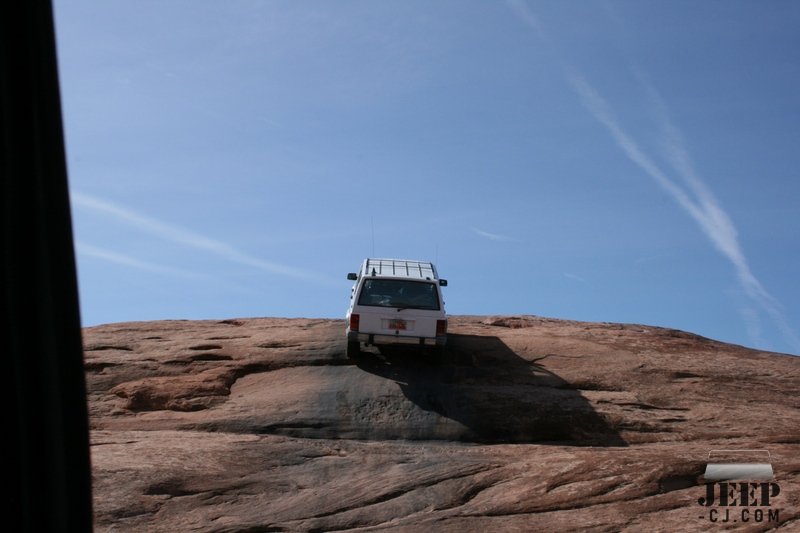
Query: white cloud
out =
(126, 260)
(574, 277)
(695, 197)
(716, 224)
(753, 324)
(491, 236)
(529, 17)
(170, 232)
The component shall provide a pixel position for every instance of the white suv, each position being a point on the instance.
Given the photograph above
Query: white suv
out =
(396, 301)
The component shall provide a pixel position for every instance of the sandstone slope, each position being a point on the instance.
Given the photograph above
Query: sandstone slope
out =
(526, 424)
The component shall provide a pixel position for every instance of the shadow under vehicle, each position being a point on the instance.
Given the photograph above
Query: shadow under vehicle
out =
(497, 395)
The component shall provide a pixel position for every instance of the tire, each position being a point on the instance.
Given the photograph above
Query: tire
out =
(353, 349)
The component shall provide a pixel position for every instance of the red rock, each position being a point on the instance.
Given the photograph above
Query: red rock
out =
(527, 424)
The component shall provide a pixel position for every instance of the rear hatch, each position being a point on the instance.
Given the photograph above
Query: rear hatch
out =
(399, 307)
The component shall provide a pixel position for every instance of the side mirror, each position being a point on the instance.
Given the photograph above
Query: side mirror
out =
(352, 276)
(443, 282)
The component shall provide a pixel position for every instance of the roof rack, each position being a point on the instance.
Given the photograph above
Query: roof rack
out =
(400, 268)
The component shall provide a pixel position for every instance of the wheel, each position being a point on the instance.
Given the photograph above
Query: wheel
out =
(353, 349)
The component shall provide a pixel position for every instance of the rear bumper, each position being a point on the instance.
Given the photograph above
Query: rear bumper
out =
(370, 338)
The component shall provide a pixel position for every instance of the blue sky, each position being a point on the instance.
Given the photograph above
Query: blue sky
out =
(599, 160)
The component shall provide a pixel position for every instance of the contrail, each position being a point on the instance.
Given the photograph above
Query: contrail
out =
(696, 199)
(575, 277)
(189, 238)
(524, 12)
(133, 262)
(491, 236)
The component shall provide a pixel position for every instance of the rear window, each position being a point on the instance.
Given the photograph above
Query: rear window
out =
(399, 293)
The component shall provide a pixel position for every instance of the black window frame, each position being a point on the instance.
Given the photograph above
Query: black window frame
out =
(396, 280)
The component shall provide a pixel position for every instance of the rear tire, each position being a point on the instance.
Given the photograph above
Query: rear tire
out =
(353, 349)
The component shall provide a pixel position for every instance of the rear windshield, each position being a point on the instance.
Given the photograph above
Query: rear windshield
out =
(399, 293)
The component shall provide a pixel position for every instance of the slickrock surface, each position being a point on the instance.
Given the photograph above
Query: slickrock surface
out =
(525, 424)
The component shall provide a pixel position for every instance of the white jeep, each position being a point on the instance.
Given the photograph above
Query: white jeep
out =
(396, 301)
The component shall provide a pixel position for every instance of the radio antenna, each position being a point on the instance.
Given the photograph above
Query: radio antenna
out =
(372, 223)
(436, 260)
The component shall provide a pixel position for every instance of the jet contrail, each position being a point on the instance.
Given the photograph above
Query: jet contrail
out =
(696, 198)
(133, 262)
(189, 238)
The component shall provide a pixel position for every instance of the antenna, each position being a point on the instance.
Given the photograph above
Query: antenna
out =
(372, 223)
(436, 260)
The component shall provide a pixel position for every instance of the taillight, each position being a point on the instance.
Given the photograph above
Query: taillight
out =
(353, 322)
(441, 328)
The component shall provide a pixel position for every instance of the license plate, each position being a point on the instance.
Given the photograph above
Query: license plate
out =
(397, 324)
